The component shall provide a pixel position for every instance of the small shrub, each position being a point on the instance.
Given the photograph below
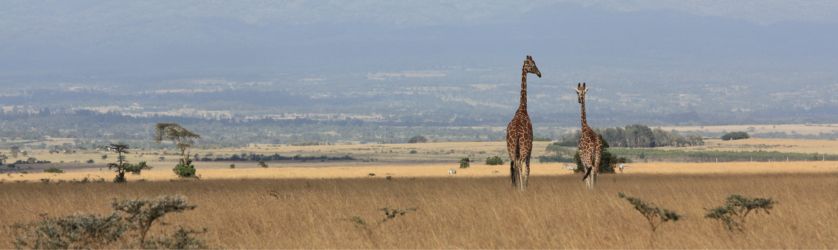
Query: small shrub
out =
(653, 214)
(465, 163)
(54, 170)
(735, 136)
(141, 214)
(232, 166)
(185, 170)
(90, 161)
(413, 151)
(125, 228)
(263, 164)
(81, 231)
(736, 208)
(417, 139)
(181, 239)
(494, 160)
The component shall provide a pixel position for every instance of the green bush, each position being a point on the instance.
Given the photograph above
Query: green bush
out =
(72, 232)
(494, 160)
(736, 208)
(53, 170)
(465, 163)
(653, 214)
(185, 170)
(735, 136)
(232, 165)
(417, 139)
(125, 228)
(263, 164)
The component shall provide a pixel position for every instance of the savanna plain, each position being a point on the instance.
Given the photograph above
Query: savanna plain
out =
(555, 212)
(340, 205)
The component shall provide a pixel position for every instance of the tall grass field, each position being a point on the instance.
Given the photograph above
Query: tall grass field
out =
(555, 212)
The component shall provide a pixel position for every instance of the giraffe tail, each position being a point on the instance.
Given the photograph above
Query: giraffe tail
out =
(587, 173)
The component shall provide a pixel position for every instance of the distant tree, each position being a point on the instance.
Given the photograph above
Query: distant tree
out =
(15, 150)
(121, 166)
(417, 139)
(180, 136)
(183, 139)
(735, 136)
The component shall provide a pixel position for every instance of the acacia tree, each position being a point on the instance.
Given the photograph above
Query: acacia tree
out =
(183, 140)
(180, 136)
(121, 166)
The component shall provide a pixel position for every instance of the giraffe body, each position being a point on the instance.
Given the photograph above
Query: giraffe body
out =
(590, 144)
(519, 133)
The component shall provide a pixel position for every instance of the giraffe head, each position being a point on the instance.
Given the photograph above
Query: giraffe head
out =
(530, 68)
(581, 90)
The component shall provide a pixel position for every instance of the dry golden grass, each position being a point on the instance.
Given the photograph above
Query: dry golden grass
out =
(221, 171)
(556, 212)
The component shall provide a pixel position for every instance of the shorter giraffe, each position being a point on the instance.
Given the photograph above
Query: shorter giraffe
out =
(590, 145)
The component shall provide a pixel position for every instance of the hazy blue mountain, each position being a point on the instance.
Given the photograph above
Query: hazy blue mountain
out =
(425, 62)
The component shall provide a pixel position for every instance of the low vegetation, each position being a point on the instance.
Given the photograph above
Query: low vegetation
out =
(735, 136)
(417, 139)
(121, 166)
(126, 227)
(555, 212)
(465, 162)
(636, 136)
(653, 214)
(494, 160)
(276, 157)
(54, 170)
(737, 208)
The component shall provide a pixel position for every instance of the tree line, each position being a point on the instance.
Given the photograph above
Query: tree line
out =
(637, 136)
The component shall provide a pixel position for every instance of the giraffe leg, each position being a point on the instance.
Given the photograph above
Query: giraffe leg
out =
(522, 178)
(512, 171)
(527, 177)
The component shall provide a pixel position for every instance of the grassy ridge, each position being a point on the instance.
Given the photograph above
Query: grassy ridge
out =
(643, 154)
(556, 212)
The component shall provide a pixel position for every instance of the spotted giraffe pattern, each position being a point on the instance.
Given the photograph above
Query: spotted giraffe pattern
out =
(519, 132)
(590, 146)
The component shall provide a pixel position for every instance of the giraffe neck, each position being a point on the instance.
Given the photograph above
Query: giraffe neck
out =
(584, 117)
(523, 105)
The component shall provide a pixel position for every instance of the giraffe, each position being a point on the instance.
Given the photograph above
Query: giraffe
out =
(590, 146)
(519, 132)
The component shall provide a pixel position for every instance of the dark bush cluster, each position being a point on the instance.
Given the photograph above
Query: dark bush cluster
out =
(494, 160)
(126, 227)
(653, 214)
(736, 208)
(465, 162)
(637, 136)
(417, 139)
(735, 136)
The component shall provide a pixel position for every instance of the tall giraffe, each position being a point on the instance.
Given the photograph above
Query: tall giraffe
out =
(590, 146)
(519, 132)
